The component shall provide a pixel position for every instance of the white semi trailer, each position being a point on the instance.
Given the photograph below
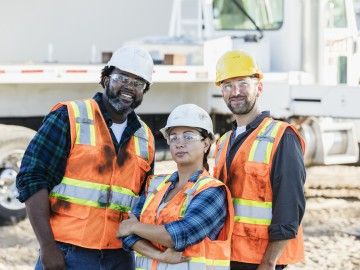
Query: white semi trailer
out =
(309, 51)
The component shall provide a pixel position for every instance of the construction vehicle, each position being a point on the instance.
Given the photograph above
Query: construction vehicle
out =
(309, 51)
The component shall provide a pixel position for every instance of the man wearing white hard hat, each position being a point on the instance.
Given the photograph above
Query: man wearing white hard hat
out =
(185, 218)
(85, 168)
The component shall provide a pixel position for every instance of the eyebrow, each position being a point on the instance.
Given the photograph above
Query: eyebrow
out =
(183, 132)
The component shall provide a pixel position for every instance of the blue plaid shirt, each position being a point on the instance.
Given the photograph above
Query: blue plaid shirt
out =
(205, 216)
(44, 162)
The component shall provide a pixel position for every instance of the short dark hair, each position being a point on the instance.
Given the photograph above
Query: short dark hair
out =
(105, 72)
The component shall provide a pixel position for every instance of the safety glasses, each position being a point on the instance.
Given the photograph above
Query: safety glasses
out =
(129, 82)
(187, 137)
(239, 84)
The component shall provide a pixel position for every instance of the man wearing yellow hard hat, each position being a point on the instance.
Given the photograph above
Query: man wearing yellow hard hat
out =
(261, 161)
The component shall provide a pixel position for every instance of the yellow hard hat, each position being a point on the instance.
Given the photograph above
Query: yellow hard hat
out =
(236, 64)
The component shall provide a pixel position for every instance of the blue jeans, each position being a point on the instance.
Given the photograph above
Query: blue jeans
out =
(78, 258)
(249, 266)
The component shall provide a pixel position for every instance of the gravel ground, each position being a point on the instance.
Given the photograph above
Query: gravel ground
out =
(331, 225)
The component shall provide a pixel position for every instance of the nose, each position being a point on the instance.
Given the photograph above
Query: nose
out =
(180, 143)
(236, 90)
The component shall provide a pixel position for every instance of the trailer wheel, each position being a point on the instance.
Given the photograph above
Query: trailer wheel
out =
(358, 162)
(13, 143)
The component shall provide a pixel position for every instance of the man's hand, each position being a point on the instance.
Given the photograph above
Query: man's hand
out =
(52, 258)
(264, 266)
(171, 256)
(272, 254)
(38, 209)
(126, 226)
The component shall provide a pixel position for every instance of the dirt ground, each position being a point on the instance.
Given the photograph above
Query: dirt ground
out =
(331, 223)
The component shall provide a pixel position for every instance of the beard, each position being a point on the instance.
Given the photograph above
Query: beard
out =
(118, 105)
(244, 108)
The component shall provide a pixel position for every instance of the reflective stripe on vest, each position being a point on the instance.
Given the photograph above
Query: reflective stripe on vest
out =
(190, 193)
(85, 130)
(262, 147)
(195, 263)
(141, 140)
(84, 119)
(222, 141)
(155, 185)
(252, 212)
(95, 195)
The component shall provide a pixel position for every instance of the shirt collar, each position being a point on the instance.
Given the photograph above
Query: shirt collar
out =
(132, 117)
(256, 122)
(193, 178)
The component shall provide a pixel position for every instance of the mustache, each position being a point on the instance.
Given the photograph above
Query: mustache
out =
(237, 97)
(116, 102)
(123, 90)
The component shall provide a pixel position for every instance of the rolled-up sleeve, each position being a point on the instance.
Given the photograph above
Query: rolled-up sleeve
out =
(130, 240)
(287, 179)
(205, 216)
(44, 161)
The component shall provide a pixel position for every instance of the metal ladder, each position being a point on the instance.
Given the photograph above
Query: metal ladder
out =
(187, 26)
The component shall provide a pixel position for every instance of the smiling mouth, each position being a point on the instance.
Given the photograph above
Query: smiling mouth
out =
(127, 97)
(237, 99)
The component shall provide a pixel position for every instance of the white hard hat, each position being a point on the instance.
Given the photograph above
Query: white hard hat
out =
(133, 60)
(188, 115)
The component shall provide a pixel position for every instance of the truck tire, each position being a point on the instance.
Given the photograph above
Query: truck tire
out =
(358, 162)
(13, 143)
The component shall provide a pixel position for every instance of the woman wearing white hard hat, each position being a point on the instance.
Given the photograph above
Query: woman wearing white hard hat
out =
(185, 218)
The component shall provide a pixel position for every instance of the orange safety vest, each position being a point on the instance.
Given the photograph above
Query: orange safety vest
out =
(97, 191)
(250, 186)
(208, 254)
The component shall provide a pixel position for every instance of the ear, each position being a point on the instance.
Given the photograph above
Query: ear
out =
(147, 87)
(259, 88)
(106, 81)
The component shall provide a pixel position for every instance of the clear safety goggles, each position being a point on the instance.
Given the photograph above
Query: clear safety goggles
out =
(186, 137)
(129, 82)
(237, 84)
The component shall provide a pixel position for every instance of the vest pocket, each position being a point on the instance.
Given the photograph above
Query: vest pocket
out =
(69, 222)
(64, 208)
(257, 181)
(143, 164)
(251, 230)
(249, 242)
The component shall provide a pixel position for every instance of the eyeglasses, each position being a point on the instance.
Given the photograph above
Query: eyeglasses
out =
(240, 84)
(188, 137)
(129, 82)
